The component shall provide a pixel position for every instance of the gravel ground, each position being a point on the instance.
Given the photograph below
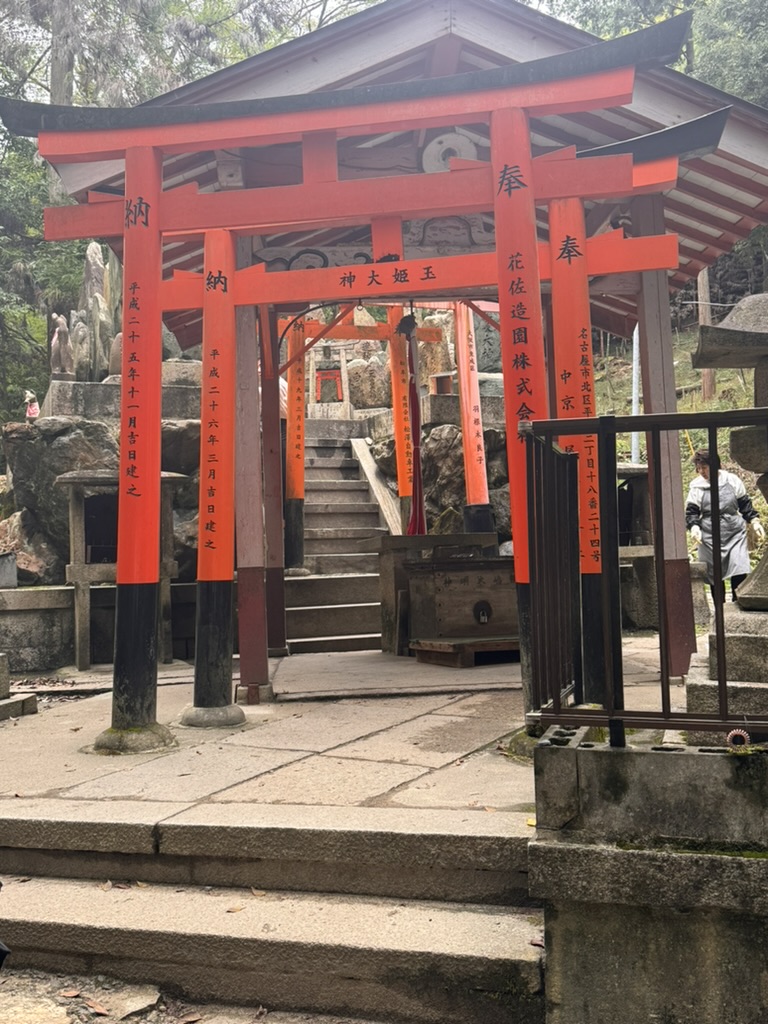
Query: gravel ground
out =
(35, 997)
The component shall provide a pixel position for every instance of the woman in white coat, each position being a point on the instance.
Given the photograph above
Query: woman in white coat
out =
(737, 516)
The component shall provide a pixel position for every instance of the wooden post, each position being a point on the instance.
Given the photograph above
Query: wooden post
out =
(134, 695)
(658, 373)
(708, 377)
(214, 629)
(249, 504)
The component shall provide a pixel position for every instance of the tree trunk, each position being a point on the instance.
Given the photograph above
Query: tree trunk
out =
(62, 82)
(708, 382)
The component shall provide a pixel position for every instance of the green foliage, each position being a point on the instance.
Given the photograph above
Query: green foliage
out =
(35, 276)
(729, 44)
(124, 52)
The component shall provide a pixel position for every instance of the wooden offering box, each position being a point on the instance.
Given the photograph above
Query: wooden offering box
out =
(461, 608)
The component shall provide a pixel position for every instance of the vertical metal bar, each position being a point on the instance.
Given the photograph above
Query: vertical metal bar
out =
(574, 576)
(717, 567)
(534, 482)
(609, 529)
(547, 612)
(661, 574)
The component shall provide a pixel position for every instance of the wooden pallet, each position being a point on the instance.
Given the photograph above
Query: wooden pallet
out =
(459, 652)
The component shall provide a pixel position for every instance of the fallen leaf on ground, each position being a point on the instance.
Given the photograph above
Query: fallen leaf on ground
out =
(234, 910)
(191, 1018)
(106, 886)
(145, 885)
(96, 1008)
(258, 892)
(70, 993)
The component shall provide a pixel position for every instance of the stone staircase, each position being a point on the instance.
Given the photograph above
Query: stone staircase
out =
(395, 915)
(337, 607)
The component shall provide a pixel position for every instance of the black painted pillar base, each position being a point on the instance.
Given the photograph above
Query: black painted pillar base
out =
(134, 695)
(294, 533)
(214, 641)
(593, 652)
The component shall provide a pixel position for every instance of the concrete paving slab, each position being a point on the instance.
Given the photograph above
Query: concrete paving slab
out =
(191, 774)
(482, 781)
(44, 753)
(375, 671)
(124, 826)
(322, 779)
(318, 727)
(430, 741)
(505, 708)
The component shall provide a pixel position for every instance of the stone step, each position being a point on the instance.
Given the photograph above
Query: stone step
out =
(312, 621)
(332, 469)
(336, 460)
(17, 704)
(347, 508)
(340, 520)
(341, 563)
(323, 445)
(340, 588)
(336, 491)
(412, 853)
(345, 541)
(426, 963)
(342, 642)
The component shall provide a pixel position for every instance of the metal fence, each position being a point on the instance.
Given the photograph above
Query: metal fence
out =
(556, 637)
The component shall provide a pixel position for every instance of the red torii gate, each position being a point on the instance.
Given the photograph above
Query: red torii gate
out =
(510, 186)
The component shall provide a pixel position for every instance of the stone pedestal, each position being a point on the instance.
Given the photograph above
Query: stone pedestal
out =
(653, 865)
(746, 644)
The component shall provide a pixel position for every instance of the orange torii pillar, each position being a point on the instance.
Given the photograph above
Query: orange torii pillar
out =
(294, 449)
(521, 332)
(214, 627)
(478, 515)
(134, 695)
(575, 398)
(401, 421)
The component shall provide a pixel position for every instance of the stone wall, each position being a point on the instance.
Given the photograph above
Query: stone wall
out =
(653, 865)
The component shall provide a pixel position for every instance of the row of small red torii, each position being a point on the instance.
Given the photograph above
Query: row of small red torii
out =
(510, 185)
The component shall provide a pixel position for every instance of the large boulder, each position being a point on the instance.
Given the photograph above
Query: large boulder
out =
(37, 562)
(181, 446)
(185, 522)
(442, 467)
(39, 452)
